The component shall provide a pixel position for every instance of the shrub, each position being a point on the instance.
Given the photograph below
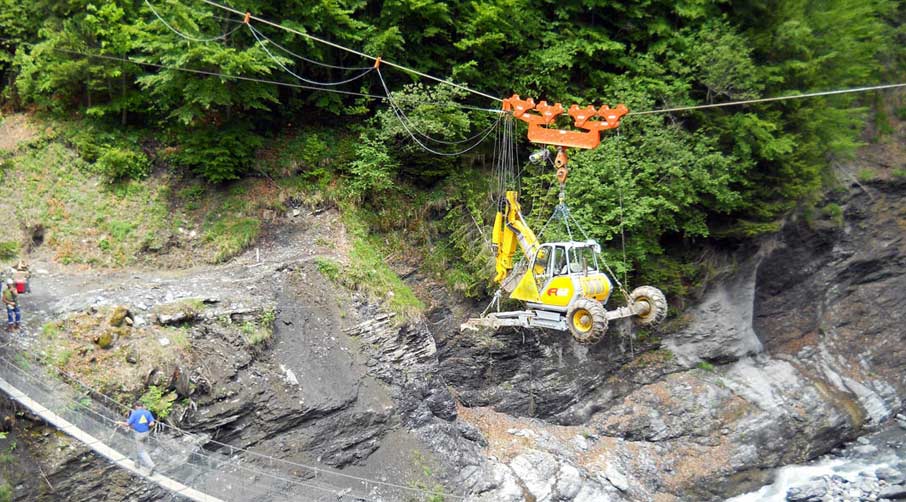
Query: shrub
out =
(9, 250)
(833, 212)
(705, 366)
(157, 402)
(217, 154)
(118, 164)
(328, 268)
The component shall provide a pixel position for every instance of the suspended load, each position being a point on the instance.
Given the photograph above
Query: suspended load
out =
(562, 284)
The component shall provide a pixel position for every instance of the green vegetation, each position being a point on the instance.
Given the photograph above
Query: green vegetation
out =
(434, 491)
(368, 271)
(328, 268)
(865, 175)
(232, 234)
(256, 335)
(116, 360)
(664, 181)
(84, 222)
(6, 492)
(158, 402)
(833, 212)
(55, 353)
(9, 250)
(705, 366)
(261, 330)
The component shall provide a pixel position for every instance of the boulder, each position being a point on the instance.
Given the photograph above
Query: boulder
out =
(104, 340)
(119, 316)
(812, 492)
(896, 492)
(887, 473)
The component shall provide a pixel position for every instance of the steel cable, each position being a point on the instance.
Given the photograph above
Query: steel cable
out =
(765, 100)
(188, 37)
(308, 60)
(303, 79)
(412, 127)
(74, 405)
(352, 51)
(412, 135)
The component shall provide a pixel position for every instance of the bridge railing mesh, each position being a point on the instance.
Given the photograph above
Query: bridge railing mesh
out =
(228, 474)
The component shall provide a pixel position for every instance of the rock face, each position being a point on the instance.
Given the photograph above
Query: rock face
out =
(832, 294)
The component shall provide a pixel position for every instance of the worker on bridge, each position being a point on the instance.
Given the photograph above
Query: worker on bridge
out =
(141, 421)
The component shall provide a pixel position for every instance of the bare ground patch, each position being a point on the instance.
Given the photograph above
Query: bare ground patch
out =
(15, 129)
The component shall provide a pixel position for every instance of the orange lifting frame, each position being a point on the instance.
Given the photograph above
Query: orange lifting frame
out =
(539, 132)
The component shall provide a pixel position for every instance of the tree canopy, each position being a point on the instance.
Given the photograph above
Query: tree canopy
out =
(678, 175)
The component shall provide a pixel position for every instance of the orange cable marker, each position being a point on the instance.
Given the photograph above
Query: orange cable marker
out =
(377, 63)
(248, 15)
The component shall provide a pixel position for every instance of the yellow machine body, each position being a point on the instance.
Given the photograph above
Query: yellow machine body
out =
(556, 275)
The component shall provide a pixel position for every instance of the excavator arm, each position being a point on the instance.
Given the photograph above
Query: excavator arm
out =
(510, 229)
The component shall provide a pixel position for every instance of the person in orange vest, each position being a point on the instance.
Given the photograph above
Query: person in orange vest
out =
(11, 300)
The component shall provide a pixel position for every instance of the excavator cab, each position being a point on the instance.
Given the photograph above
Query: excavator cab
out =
(562, 271)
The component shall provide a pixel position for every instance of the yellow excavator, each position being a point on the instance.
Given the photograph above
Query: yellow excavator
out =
(562, 283)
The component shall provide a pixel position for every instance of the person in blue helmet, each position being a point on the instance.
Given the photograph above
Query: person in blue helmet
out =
(141, 421)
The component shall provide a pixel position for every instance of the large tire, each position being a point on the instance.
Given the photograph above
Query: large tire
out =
(587, 321)
(657, 305)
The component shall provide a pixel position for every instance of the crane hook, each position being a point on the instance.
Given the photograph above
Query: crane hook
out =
(560, 164)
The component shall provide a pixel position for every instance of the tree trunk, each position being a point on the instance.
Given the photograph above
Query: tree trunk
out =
(123, 87)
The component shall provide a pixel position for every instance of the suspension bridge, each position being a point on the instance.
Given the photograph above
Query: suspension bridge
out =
(189, 466)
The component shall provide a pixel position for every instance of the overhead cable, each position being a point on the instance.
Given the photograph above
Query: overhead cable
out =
(352, 51)
(765, 100)
(303, 58)
(303, 79)
(233, 77)
(412, 127)
(189, 37)
(412, 134)
(221, 75)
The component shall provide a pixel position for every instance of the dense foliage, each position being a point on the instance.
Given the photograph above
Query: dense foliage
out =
(664, 177)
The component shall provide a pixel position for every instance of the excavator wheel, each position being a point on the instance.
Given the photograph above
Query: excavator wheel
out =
(587, 321)
(657, 305)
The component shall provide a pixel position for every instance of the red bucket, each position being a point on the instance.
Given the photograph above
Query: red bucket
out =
(20, 286)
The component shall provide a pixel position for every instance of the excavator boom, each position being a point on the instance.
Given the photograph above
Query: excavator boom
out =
(510, 229)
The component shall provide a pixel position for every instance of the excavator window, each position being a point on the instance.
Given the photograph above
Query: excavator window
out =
(560, 267)
(542, 262)
(584, 260)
